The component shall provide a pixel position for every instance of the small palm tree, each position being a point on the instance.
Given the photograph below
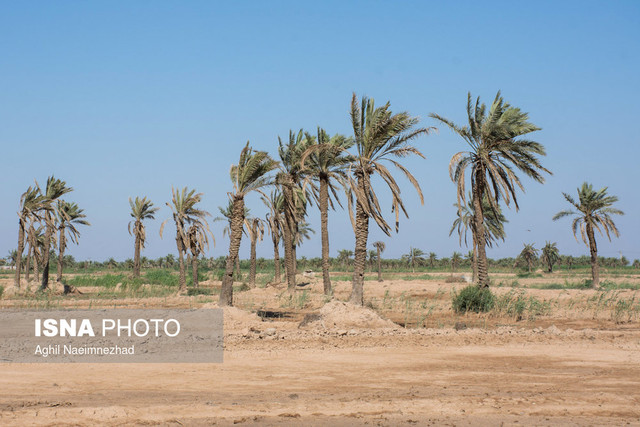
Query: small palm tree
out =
(550, 255)
(433, 257)
(141, 209)
(250, 174)
(55, 189)
(381, 137)
(69, 215)
(380, 247)
(327, 161)
(185, 214)
(275, 223)
(456, 258)
(593, 213)
(255, 227)
(496, 150)
(344, 255)
(415, 256)
(32, 202)
(529, 254)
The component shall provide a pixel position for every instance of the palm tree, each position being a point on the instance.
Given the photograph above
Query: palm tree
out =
(303, 232)
(344, 256)
(275, 223)
(35, 238)
(198, 237)
(255, 226)
(529, 254)
(185, 214)
(290, 180)
(250, 174)
(415, 256)
(227, 215)
(433, 257)
(141, 209)
(380, 247)
(495, 152)
(55, 189)
(32, 202)
(494, 222)
(380, 135)
(594, 212)
(550, 255)
(455, 261)
(326, 161)
(69, 216)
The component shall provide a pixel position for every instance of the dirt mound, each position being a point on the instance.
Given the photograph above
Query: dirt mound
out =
(343, 315)
(235, 318)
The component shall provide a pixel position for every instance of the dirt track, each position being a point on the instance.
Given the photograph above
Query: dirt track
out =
(527, 373)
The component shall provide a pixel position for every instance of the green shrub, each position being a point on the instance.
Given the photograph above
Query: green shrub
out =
(473, 298)
(161, 277)
(1, 291)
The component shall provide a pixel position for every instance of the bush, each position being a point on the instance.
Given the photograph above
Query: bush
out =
(473, 298)
(1, 291)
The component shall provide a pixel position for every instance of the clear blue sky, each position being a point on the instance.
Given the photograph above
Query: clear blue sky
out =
(129, 98)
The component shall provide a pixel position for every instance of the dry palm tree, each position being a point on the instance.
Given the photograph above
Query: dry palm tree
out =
(69, 215)
(496, 151)
(36, 242)
(141, 209)
(185, 214)
(494, 222)
(290, 179)
(380, 136)
(275, 223)
(594, 213)
(55, 189)
(250, 174)
(529, 254)
(255, 227)
(550, 255)
(198, 237)
(327, 161)
(32, 202)
(380, 247)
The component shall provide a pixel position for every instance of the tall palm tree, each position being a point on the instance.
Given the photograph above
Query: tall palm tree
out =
(69, 215)
(55, 189)
(250, 174)
(255, 226)
(327, 161)
(496, 151)
(380, 247)
(415, 256)
(380, 136)
(185, 214)
(529, 254)
(227, 215)
(32, 202)
(141, 209)
(35, 237)
(494, 222)
(550, 255)
(290, 179)
(275, 223)
(593, 213)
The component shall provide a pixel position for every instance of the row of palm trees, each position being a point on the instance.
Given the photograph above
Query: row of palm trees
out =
(315, 168)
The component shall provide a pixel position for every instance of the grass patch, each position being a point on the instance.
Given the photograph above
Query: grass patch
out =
(609, 285)
(419, 277)
(517, 304)
(528, 275)
(473, 298)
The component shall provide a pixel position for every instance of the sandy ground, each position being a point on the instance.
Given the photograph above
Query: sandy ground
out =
(573, 365)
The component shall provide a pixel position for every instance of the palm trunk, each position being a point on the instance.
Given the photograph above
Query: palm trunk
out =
(595, 270)
(276, 261)
(29, 251)
(194, 270)
(235, 238)
(36, 271)
(136, 251)
(60, 255)
(379, 267)
(16, 280)
(360, 256)
(252, 268)
(478, 218)
(288, 229)
(474, 262)
(324, 224)
(183, 272)
(45, 253)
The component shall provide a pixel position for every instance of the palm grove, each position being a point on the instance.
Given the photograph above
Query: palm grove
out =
(314, 169)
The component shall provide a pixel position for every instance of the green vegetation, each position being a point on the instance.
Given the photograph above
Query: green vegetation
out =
(473, 298)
